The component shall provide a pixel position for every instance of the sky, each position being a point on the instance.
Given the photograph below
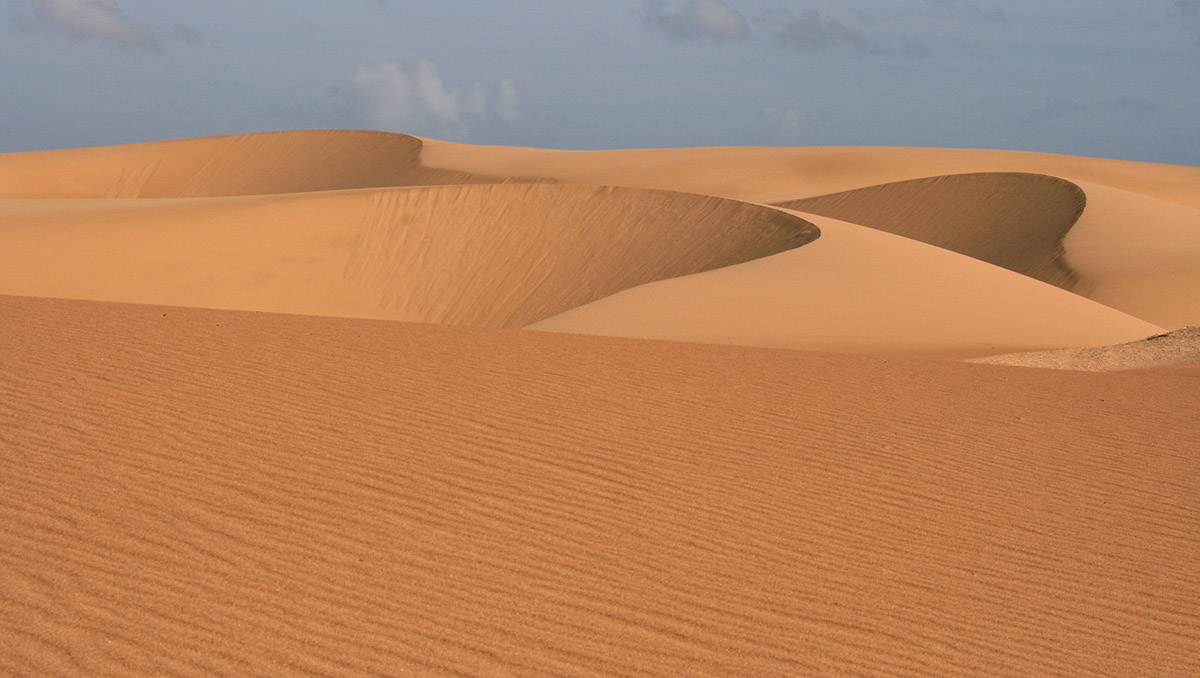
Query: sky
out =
(1100, 78)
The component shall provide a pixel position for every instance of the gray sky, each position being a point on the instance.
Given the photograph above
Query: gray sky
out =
(1103, 78)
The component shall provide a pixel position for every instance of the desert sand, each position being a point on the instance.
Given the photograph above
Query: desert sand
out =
(271, 404)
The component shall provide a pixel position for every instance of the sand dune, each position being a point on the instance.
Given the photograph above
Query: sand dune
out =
(862, 291)
(194, 492)
(198, 492)
(1139, 254)
(970, 201)
(1017, 221)
(496, 255)
(244, 164)
(773, 175)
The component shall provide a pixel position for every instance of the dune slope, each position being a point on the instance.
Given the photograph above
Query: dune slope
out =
(1017, 221)
(1139, 254)
(1138, 236)
(858, 290)
(782, 174)
(243, 164)
(497, 255)
(194, 492)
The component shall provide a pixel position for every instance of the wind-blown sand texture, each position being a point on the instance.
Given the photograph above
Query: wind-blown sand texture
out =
(254, 465)
(199, 491)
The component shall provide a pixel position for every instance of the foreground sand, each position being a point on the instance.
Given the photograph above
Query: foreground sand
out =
(190, 492)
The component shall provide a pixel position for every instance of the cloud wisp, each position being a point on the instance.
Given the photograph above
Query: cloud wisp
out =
(506, 105)
(94, 19)
(810, 33)
(392, 98)
(991, 15)
(698, 19)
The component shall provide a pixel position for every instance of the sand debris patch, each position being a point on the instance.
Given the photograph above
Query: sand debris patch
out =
(1180, 347)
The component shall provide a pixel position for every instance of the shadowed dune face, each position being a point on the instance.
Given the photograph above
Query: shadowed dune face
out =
(1010, 219)
(244, 164)
(493, 255)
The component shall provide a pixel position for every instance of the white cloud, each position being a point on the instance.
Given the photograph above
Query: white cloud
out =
(710, 19)
(390, 97)
(788, 125)
(433, 95)
(94, 18)
(383, 96)
(506, 106)
(991, 15)
(475, 103)
(810, 33)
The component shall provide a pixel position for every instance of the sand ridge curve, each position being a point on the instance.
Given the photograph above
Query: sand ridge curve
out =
(780, 174)
(479, 254)
(858, 290)
(1135, 247)
(1014, 220)
(260, 163)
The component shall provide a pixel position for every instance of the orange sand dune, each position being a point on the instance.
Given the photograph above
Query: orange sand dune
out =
(193, 492)
(244, 164)
(782, 174)
(1136, 247)
(858, 290)
(497, 255)
(196, 492)
(1138, 238)
(1138, 254)
(1009, 219)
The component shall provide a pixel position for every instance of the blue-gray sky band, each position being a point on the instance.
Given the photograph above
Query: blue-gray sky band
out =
(1087, 77)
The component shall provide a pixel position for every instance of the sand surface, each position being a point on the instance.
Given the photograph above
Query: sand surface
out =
(858, 290)
(194, 492)
(1136, 247)
(266, 409)
(495, 255)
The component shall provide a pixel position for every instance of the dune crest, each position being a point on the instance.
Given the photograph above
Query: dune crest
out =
(1013, 220)
(777, 174)
(1139, 254)
(243, 164)
(500, 255)
(1150, 211)
(858, 290)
